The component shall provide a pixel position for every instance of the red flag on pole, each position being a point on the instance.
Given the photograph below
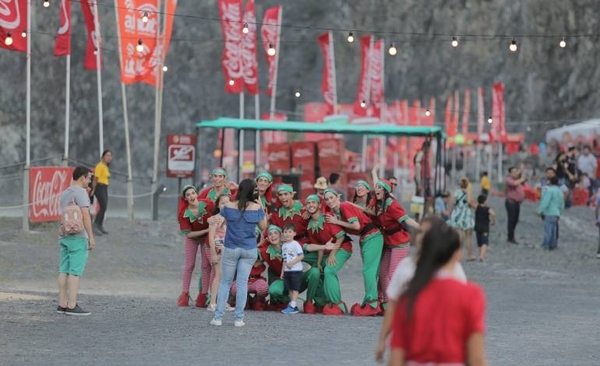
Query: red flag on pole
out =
(498, 114)
(63, 37)
(270, 32)
(88, 8)
(13, 22)
(480, 113)
(328, 82)
(363, 95)
(377, 86)
(159, 54)
(456, 112)
(249, 55)
(448, 117)
(466, 113)
(231, 25)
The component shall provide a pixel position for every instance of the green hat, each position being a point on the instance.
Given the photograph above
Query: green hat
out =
(265, 175)
(313, 197)
(220, 171)
(188, 186)
(364, 183)
(285, 188)
(274, 227)
(330, 190)
(385, 184)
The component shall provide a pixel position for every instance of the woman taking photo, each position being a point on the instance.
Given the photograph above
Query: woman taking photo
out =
(243, 214)
(439, 320)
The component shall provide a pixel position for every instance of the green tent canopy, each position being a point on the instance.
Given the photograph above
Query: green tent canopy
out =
(292, 126)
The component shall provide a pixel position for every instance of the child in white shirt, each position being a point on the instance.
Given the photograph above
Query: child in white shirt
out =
(292, 255)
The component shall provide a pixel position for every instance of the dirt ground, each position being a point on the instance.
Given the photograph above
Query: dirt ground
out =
(543, 307)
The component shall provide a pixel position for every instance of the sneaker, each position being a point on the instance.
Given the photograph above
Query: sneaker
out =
(229, 307)
(238, 323)
(290, 310)
(61, 310)
(211, 307)
(77, 311)
(216, 322)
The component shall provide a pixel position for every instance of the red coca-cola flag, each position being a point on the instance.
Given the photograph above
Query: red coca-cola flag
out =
(89, 7)
(466, 112)
(448, 117)
(45, 187)
(249, 54)
(363, 95)
(271, 32)
(63, 36)
(480, 113)
(498, 114)
(231, 25)
(13, 22)
(328, 84)
(159, 54)
(377, 82)
(456, 112)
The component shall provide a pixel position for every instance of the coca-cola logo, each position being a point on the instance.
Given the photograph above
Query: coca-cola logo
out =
(328, 151)
(10, 14)
(279, 155)
(270, 36)
(249, 59)
(45, 193)
(231, 18)
(303, 153)
(64, 17)
(306, 184)
(376, 72)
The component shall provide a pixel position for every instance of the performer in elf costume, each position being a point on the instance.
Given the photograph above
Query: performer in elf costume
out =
(218, 176)
(321, 235)
(356, 222)
(264, 181)
(193, 217)
(362, 193)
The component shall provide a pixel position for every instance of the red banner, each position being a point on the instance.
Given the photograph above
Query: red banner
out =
(63, 37)
(364, 87)
(431, 118)
(498, 115)
(377, 85)
(13, 21)
(88, 7)
(270, 32)
(249, 54)
(480, 113)
(159, 54)
(231, 25)
(45, 187)
(450, 131)
(466, 112)
(456, 112)
(328, 84)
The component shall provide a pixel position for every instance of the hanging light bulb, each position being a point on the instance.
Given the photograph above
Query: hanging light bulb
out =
(350, 37)
(231, 82)
(297, 94)
(562, 43)
(454, 42)
(140, 46)
(165, 68)
(8, 40)
(95, 51)
(513, 45)
(145, 17)
(271, 51)
(363, 104)
(490, 120)
(46, 3)
(24, 34)
(392, 50)
(245, 30)
(427, 113)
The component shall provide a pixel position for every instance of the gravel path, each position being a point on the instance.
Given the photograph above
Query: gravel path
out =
(543, 308)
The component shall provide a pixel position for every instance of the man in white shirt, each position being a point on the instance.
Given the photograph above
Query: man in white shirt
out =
(587, 163)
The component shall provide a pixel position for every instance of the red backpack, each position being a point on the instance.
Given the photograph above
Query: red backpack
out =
(71, 222)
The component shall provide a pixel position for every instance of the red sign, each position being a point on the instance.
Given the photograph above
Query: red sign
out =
(45, 187)
(181, 156)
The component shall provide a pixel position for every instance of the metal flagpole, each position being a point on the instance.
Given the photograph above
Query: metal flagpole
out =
(98, 41)
(160, 57)
(382, 139)
(367, 101)
(27, 124)
(256, 134)
(126, 120)
(277, 50)
(331, 52)
(67, 111)
(500, 152)
(241, 139)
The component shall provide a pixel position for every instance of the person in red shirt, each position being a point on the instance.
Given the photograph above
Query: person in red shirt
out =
(515, 195)
(391, 218)
(220, 186)
(320, 234)
(356, 222)
(193, 217)
(439, 320)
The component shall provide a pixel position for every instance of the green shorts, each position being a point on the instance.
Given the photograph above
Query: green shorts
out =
(73, 255)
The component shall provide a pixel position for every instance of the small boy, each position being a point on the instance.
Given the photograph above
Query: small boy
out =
(292, 255)
(485, 183)
(484, 217)
(441, 205)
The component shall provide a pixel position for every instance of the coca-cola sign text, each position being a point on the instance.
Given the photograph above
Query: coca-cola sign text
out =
(45, 186)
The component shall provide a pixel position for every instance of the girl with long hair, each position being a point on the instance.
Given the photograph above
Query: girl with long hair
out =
(243, 214)
(362, 194)
(439, 320)
(217, 227)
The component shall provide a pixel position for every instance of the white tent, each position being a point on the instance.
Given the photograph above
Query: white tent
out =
(585, 132)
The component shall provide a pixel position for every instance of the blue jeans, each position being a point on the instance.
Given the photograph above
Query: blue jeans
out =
(235, 263)
(550, 226)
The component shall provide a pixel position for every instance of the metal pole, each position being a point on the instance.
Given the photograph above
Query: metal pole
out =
(67, 111)
(335, 96)
(27, 124)
(478, 152)
(500, 152)
(256, 134)
(99, 74)
(158, 95)
(274, 88)
(363, 163)
(241, 140)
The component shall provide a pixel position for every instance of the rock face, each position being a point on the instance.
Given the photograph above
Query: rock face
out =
(543, 82)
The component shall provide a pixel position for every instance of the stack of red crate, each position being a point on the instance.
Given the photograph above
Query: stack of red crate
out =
(332, 159)
(279, 157)
(303, 160)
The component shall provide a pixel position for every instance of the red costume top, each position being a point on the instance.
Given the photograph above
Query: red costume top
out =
(284, 215)
(389, 217)
(189, 222)
(320, 232)
(445, 314)
(272, 257)
(256, 273)
(347, 212)
(212, 194)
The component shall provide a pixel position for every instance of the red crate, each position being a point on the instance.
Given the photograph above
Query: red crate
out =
(304, 155)
(307, 182)
(279, 157)
(332, 155)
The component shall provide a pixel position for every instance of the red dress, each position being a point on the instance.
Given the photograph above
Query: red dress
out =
(445, 314)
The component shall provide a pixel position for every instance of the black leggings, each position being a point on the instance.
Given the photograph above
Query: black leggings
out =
(102, 196)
